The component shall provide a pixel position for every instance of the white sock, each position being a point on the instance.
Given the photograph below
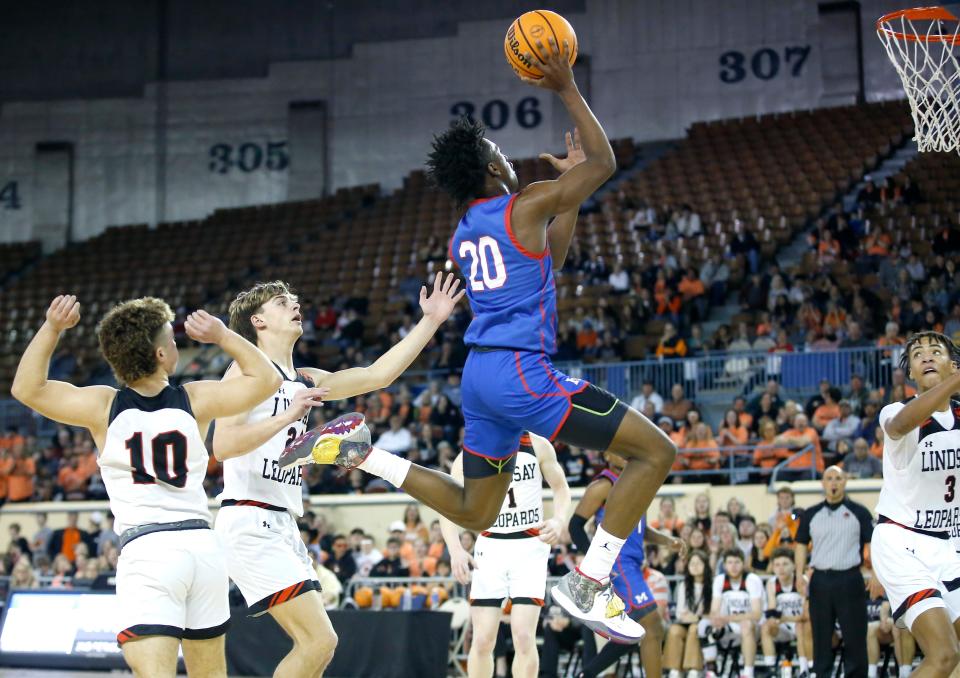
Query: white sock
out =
(748, 671)
(872, 671)
(804, 664)
(388, 466)
(674, 673)
(769, 661)
(905, 671)
(603, 551)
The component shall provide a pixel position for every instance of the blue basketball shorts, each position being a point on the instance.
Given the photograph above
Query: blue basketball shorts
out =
(627, 580)
(506, 393)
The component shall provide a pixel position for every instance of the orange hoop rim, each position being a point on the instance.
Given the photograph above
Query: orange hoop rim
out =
(935, 13)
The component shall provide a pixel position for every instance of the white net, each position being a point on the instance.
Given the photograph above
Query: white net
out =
(921, 43)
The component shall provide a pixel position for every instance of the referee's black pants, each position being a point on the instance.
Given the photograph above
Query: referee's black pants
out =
(839, 595)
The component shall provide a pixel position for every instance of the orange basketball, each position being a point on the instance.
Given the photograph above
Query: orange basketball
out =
(522, 36)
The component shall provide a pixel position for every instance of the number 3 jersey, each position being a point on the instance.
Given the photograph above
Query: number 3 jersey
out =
(920, 472)
(511, 290)
(154, 460)
(256, 476)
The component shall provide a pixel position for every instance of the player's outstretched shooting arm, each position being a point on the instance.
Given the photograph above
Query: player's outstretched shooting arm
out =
(541, 201)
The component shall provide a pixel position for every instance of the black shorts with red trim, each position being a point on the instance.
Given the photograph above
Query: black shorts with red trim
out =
(143, 630)
(283, 596)
(507, 392)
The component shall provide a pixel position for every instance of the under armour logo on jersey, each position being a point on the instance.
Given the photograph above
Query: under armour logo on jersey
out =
(266, 524)
(928, 443)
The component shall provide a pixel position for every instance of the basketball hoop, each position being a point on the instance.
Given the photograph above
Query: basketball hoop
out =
(921, 42)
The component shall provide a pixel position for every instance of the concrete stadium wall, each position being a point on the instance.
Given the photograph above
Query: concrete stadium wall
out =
(187, 147)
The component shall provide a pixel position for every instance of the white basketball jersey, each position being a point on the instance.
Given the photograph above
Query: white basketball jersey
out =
(920, 472)
(523, 506)
(789, 602)
(154, 461)
(256, 476)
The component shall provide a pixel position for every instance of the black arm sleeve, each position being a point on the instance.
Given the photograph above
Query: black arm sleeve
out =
(803, 532)
(578, 533)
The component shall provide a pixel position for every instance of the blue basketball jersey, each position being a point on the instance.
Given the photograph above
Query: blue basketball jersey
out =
(511, 290)
(633, 546)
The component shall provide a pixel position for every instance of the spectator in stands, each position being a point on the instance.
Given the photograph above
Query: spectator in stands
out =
(413, 525)
(41, 538)
(701, 519)
(62, 571)
(671, 344)
(667, 519)
(619, 279)
(22, 575)
(732, 432)
(66, 540)
(647, 394)
(391, 565)
(368, 556)
(694, 294)
(844, 427)
(398, 440)
(869, 195)
(819, 398)
(857, 394)
(765, 410)
(746, 527)
(715, 274)
(422, 564)
(702, 453)
(798, 437)
(678, 436)
(677, 407)
(759, 559)
(768, 453)
(694, 599)
(22, 471)
(341, 561)
(860, 463)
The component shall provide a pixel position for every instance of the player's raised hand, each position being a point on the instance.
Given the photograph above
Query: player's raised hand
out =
(551, 531)
(678, 546)
(575, 154)
(439, 305)
(462, 566)
(304, 400)
(64, 312)
(205, 328)
(555, 65)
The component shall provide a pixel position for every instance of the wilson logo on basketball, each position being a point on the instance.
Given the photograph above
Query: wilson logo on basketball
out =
(515, 47)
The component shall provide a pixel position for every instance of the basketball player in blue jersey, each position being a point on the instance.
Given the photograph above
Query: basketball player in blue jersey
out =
(507, 245)
(627, 575)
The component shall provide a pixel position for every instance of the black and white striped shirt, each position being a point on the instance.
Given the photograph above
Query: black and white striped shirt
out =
(838, 531)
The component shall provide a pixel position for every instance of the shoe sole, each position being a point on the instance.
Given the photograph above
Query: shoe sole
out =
(300, 451)
(597, 627)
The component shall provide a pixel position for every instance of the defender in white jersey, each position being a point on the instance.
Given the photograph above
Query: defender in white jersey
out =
(509, 560)
(261, 502)
(171, 577)
(913, 556)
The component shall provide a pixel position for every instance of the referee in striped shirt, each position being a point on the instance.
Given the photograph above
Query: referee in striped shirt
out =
(839, 529)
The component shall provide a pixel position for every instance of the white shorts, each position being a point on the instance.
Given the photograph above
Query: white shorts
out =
(266, 557)
(731, 635)
(509, 568)
(917, 571)
(173, 584)
(786, 633)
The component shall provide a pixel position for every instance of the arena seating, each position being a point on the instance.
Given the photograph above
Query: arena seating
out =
(783, 168)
